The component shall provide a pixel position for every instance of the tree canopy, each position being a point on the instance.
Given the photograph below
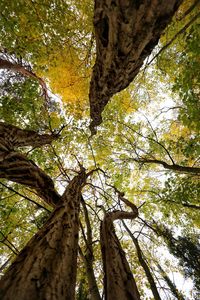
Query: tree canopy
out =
(99, 149)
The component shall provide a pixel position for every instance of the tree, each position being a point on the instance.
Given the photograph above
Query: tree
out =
(144, 264)
(173, 288)
(125, 34)
(118, 282)
(42, 258)
(62, 181)
(186, 250)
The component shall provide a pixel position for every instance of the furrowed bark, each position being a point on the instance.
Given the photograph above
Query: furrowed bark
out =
(12, 137)
(118, 279)
(46, 267)
(17, 168)
(126, 32)
(88, 258)
(144, 265)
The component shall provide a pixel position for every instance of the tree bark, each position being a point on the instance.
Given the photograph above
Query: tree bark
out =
(118, 279)
(17, 168)
(144, 265)
(46, 267)
(12, 137)
(126, 32)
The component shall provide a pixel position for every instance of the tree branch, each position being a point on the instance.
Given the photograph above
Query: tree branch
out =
(182, 30)
(174, 167)
(17, 168)
(143, 264)
(15, 67)
(12, 137)
(25, 197)
(189, 10)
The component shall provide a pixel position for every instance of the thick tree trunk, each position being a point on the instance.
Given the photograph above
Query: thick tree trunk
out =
(144, 265)
(126, 32)
(46, 267)
(12, 137)
(118, 279)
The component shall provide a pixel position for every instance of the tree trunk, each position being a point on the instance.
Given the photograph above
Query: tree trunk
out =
(144, 265)
(46, 267)
(118, 279)
(88, 257)
(93, 288)
(126, 32)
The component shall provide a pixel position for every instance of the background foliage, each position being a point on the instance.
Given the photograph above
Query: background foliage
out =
(155, 118)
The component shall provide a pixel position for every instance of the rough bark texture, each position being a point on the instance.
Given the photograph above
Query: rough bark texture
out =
(126, 32)
(12, 137)
(118, 279)
(46, 267)
(17, 168)
(144, 265)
